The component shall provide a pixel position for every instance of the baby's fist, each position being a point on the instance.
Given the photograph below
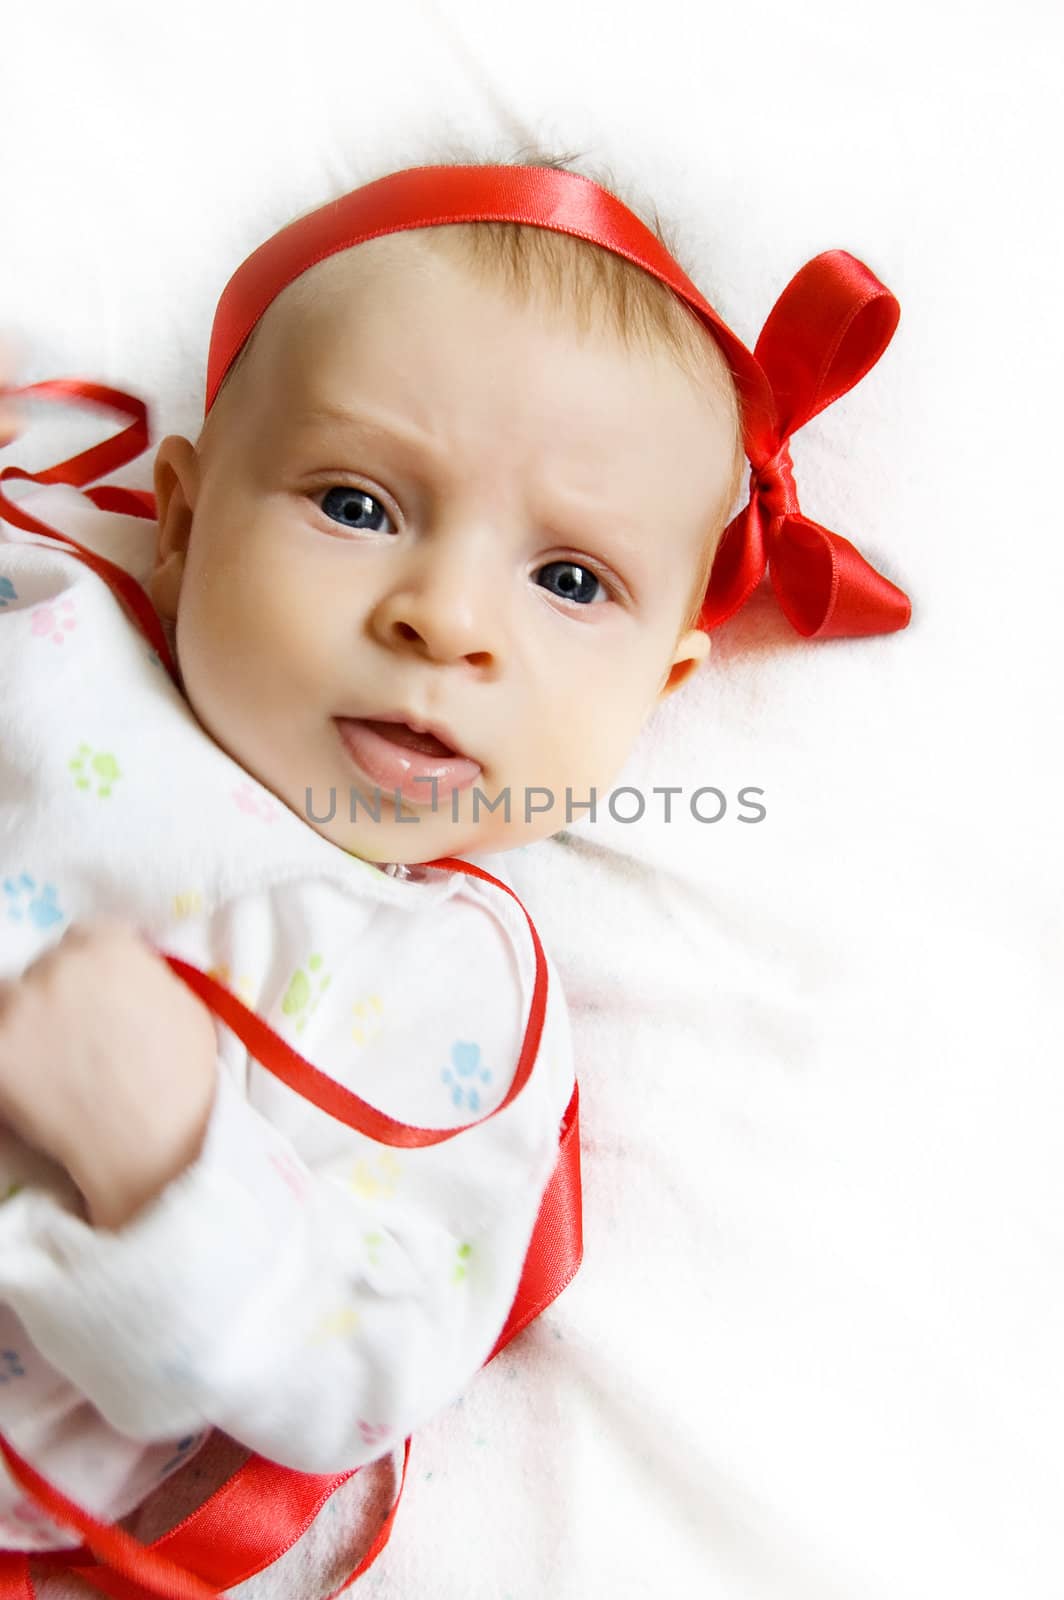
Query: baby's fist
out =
(108, 1065)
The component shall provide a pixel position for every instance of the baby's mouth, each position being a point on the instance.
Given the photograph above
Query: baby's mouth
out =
(399, 733)
(397, 759)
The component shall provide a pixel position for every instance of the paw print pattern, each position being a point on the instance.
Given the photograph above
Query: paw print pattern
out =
(242, 987)
(461, 1264)
(53, 621)
(89, 766)
(26, 901)
(377, 1178)
(373, 1433)
(338, 1323)
(8, 592)
(187, 905)
(464, 1073)
(12, 1190)
(11, 1366)
(291, 1173)
(367, 1015)
(25, 1520)
(182, 1450)
(255, 802)
(373, 1242)
(305, 989)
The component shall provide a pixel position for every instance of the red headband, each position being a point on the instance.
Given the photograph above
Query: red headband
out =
(827, 329)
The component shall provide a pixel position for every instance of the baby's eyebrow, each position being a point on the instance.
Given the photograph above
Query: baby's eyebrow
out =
(364, 420)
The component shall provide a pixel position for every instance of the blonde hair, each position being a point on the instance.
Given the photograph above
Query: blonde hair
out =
(594, 285)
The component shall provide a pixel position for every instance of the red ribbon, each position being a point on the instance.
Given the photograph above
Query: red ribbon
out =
(278, 1057)
(79, 470)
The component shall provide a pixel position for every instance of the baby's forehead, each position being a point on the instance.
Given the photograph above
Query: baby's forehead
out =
(302, 314)
(336, 288)
(340, 316)
(412, 307)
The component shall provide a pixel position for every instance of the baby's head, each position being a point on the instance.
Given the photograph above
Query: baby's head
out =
(466, 478)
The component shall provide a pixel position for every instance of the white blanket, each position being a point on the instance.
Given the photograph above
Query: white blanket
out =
(814, 1350)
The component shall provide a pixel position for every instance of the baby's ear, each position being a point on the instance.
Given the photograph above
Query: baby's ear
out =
(176, 482)
(691, 650)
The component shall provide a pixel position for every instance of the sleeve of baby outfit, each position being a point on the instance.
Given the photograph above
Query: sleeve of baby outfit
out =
(315, 1319)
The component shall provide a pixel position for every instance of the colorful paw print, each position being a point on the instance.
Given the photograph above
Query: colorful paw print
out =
(11, 1366)
(461, 1265)
(89, 766)
(338, 1323)
(188, 904)
(291, 1173)
(465, 1064)
(27, 1519)
(242, 987)
(53, 621)
(373, 1242)
(182, 1450)
(26, 901)
(377, 1178)
(8, 592)
(255, 802)
(367, 1015)
(373, 1433)
(305, 989)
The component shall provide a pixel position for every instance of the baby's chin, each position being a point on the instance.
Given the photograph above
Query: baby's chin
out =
(400, 852)
(401, 844)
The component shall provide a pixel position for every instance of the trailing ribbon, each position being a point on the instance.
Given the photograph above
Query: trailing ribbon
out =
(107, 456)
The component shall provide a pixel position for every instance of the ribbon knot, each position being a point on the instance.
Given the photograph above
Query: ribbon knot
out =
(774, 485)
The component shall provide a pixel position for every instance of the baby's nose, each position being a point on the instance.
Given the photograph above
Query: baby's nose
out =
(444, 638)
(447, 607)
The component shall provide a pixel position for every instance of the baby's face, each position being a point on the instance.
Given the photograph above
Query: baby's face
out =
(427, 504)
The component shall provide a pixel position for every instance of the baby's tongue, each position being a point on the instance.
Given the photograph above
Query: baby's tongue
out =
(399, 733)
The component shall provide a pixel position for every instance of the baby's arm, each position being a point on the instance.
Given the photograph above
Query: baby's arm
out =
(316, 1316)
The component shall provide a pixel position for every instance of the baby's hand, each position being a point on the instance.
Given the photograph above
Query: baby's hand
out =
(108, 1066)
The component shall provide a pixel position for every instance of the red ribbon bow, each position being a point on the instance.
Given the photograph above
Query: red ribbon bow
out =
(827, 329)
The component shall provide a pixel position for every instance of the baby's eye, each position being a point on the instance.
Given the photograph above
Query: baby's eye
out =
(572, 582)
(364, 510)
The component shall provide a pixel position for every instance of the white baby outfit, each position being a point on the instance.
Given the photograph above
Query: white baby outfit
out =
(312, 1293)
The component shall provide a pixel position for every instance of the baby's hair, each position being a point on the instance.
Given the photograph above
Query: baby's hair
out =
(591, 283)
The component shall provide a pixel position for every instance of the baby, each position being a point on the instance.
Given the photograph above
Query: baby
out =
(441, 546)
(442, 543)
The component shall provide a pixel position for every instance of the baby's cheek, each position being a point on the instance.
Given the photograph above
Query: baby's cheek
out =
(616, 727)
